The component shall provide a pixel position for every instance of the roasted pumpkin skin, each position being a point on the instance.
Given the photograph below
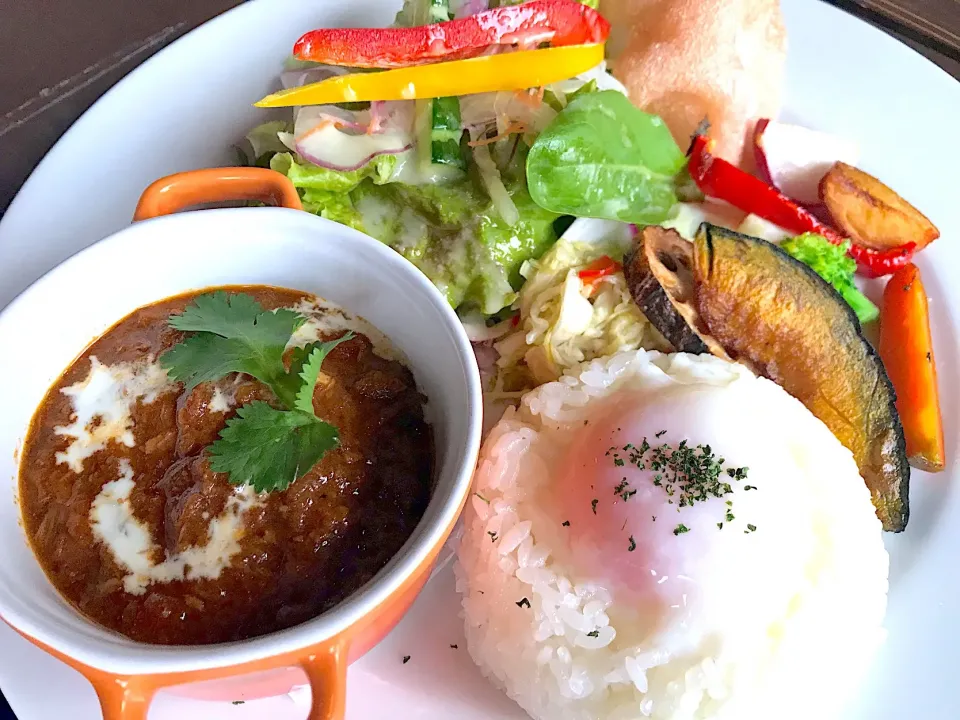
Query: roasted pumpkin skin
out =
(773, 313)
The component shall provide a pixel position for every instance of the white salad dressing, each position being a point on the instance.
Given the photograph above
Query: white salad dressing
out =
(325, 318)
(129, 539)
(108, 395)
(224, 397)
(221, 401)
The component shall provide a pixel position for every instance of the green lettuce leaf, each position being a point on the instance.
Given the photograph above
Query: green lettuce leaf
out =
(307, 176)
(263, 142)
(450, 231)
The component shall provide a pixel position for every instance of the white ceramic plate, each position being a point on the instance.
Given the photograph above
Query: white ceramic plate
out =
(184, 109)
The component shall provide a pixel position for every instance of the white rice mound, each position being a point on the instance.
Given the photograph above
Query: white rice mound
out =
(810, 660)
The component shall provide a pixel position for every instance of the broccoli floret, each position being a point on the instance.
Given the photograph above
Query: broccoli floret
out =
(832, 263)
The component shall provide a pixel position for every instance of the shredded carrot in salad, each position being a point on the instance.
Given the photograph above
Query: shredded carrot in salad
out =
(532, 97)
(512, 128)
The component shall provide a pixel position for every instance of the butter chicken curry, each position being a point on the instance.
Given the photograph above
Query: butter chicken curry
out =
(218, 466)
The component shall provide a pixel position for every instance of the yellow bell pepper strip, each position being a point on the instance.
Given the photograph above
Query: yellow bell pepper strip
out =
(490, 73)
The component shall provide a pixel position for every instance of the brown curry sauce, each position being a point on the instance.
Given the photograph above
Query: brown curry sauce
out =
(302, 550)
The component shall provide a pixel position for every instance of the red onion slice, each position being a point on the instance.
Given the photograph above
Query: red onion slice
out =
(328, 147)
(471, 7)
(299, 78)
(311, 117)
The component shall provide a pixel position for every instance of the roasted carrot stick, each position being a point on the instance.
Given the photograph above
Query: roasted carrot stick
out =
(906, 348)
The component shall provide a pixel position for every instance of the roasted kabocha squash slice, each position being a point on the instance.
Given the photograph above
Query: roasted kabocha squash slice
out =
(775, 315)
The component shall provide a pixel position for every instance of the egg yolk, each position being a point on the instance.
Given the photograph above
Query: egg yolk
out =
(671, 505)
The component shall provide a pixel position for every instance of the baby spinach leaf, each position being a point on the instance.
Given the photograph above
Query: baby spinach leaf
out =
(602, 157)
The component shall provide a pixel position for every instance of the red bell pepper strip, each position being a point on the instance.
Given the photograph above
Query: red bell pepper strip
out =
(722, 180)
(598, 269)
(557, 22)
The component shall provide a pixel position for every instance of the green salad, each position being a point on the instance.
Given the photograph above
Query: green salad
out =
(470, 187)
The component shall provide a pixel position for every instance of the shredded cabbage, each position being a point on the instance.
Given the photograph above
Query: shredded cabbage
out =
(564, 322)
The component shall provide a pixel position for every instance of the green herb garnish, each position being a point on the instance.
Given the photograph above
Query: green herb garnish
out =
(633, 545)
(566, 523)
(687, 474)
(523, 603)
(593, 633)
(681, 529)
(262, 446)
(493, 536)
(270, 449)
(406, 659)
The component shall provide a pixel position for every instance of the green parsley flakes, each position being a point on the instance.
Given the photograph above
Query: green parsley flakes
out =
(687, 474)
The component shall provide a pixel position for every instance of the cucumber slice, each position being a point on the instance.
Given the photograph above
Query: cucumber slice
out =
(423, 12)
(439, 131)
(447, 152)
(439, 11)
(447, 129)
(446, 118)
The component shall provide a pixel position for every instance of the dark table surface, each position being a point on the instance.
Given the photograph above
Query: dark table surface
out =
(59, 56)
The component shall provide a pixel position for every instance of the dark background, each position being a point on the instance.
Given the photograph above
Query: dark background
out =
(58, 56)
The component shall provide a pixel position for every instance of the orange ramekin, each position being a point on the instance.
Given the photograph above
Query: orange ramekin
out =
(183, 251)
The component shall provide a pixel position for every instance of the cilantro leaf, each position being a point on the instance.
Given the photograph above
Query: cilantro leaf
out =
(311, 371)
(270, 449)
(288, 386)
(299, 357)
(237, 316)
(265, 447)
(205, 356)
(233, 334)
